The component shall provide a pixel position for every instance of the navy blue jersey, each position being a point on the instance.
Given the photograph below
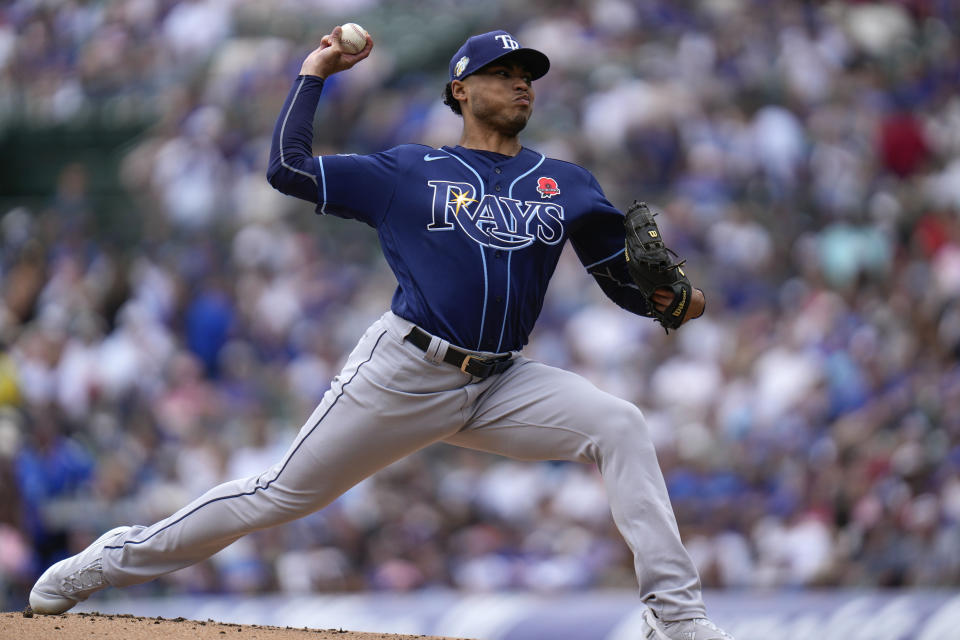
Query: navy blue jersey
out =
(473, 237)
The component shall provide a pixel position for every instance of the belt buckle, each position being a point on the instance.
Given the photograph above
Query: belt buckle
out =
(466, 361)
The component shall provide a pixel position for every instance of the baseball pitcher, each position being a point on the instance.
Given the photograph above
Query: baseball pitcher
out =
(473, 233)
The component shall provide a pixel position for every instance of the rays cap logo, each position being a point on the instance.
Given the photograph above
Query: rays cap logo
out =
(480, 50)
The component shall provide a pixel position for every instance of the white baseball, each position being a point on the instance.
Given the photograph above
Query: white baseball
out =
(353, 37)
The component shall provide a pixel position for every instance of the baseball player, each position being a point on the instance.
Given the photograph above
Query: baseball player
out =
(473, 233)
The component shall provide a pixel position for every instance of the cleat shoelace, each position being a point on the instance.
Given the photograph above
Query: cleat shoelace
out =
(89, 577)
(671, 629)
(703, 622)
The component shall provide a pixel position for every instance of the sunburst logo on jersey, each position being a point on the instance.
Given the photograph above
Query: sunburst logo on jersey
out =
(461, 66)
(461, 200)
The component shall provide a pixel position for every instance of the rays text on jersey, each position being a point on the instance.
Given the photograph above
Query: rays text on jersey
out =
(493, 221)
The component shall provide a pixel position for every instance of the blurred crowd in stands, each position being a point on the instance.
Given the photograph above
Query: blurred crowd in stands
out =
(805, 156)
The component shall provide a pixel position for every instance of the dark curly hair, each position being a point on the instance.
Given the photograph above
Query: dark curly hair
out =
(450, 101)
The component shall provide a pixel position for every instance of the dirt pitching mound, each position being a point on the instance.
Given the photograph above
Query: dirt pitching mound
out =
(96, 626)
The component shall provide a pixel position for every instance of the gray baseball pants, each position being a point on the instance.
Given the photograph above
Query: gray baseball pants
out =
(392, 399)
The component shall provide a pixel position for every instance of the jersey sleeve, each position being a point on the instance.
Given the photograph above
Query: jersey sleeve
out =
(599, 242)
(348, 186)
(291, 166)
(358, 186)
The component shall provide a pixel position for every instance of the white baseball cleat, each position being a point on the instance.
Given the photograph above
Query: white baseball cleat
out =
(73, 580)
(691, 629)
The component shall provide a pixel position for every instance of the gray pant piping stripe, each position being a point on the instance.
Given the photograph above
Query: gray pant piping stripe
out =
(290, 457)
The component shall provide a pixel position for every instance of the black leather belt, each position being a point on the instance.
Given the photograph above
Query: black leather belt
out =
(466, 362)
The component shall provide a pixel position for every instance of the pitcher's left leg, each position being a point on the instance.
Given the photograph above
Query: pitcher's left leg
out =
(537, 412)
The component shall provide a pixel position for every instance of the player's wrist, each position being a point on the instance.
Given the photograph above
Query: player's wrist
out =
(319, 64)
(698, 304)
(314, 69)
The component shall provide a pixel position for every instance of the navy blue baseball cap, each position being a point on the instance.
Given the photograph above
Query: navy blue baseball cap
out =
(479, 51)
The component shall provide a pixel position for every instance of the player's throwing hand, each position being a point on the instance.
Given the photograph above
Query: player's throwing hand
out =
(330, 57)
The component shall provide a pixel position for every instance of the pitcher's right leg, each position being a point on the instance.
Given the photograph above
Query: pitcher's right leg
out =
(386, 403)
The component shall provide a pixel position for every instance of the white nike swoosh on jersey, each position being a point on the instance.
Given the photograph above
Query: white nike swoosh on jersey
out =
(430, 158)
